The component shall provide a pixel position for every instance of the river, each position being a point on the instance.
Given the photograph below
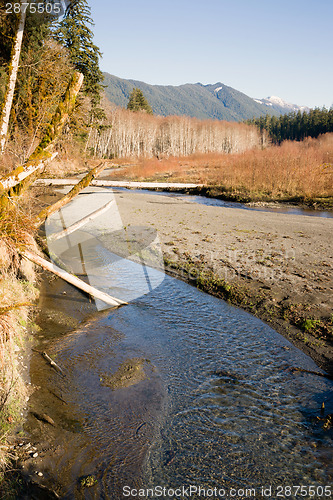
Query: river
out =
(275, 207)
(210, 398)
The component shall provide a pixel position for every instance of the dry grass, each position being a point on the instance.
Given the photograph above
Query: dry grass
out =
(17, 290)
(17, 224)
(68, 162)
(294, 169)
(13, 332)
(13, 323)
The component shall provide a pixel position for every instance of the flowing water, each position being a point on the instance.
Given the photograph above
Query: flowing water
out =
(215, 202)
(206, 396)
(175, 389)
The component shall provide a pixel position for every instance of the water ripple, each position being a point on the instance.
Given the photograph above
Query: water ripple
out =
(219, 405)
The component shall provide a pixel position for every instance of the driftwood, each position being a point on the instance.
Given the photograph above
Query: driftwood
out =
(73, 192)
(43, 152)
(81, 222)
(49, 360)
(70, 181)
(52, 363)
(73, 280)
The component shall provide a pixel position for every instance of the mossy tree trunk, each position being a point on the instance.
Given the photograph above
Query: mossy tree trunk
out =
(43, 153)
(73, 192)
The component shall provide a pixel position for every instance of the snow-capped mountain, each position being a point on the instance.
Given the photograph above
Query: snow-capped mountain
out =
(212, 101)
(280, 105)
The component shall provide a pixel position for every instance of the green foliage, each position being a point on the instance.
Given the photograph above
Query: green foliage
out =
(138, 102)
(8, 23)
(74, 33)
(308, 324)
(296, 126)
(51, 50)
(44, 70)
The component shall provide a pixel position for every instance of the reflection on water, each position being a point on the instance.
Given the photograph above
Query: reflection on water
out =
(236, 414)
(218, 405)
(88, 237)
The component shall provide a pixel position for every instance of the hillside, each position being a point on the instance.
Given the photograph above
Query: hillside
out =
(216, 101)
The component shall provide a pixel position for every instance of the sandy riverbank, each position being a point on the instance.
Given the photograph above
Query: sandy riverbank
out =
(277, 266)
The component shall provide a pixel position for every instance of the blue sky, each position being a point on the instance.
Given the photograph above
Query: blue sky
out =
(262, 48)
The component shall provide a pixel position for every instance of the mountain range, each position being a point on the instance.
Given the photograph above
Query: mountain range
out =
(218, 101)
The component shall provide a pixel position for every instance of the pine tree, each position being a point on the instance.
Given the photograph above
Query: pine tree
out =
(74, 34)
(138, 102)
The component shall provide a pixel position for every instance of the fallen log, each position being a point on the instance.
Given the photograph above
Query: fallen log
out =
(43, 152)
(81, 222)
(45, 249)
(70, 181)
(73, 280)
(21, 172)
(83, 183)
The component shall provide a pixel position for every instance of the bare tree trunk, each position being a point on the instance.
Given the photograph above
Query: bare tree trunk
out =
(82, 285)
(13, 68)
(81, 222)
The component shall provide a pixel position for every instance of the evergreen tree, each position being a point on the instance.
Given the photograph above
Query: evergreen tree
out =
(138, 102)
(296, 126)
(43, 73)
(74, 34)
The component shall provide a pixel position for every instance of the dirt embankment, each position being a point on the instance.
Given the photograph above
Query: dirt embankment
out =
(18, 292)
(277, 266)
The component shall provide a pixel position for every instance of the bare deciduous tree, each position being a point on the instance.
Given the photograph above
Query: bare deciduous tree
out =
(13, 68)
(140, 134)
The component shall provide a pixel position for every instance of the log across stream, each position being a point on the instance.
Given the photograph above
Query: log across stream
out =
(176, 388)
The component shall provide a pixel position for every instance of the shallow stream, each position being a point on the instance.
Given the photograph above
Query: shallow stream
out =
(261, 207)
(207, 398)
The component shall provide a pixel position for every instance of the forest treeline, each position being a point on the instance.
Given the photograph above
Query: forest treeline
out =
(139, 134)
(296, 126)
(52, 50)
